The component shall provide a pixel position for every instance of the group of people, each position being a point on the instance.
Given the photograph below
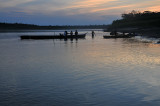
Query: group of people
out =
(71, 33)
(75, 33)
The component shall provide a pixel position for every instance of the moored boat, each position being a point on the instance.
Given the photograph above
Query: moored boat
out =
(79, 36)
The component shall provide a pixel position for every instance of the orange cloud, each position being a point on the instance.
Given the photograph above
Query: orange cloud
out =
(89, 3)
(110, 8)
(100, 7)
(142, 6)
(97, 6)
(154, 8)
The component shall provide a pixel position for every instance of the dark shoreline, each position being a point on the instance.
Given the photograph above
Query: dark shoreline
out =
(4, 27)
(26, 30)
(152, 32)
(142, 23)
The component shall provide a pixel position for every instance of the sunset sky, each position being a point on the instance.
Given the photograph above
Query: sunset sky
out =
(70, 12)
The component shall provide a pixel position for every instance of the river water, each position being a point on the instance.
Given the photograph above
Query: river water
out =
(83, 72)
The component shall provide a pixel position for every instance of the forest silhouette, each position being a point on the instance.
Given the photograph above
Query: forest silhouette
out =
(138, 19)
(21, 26)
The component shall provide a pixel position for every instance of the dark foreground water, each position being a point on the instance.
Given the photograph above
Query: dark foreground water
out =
(89, 72)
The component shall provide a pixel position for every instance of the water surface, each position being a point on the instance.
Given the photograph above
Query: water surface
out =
(87, 72)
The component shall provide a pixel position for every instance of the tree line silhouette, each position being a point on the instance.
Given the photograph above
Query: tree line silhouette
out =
(21, 26)
(137, 19)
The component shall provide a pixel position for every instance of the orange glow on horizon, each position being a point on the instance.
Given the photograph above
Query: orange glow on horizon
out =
(97, 6)
(90, 3)
(94, 7)
(154, 8)
(110, 8)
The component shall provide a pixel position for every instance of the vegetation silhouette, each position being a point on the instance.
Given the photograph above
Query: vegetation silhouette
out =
(21, 26)
(137, 19)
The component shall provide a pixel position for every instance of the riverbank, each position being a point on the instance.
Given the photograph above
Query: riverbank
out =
(142, 23)
(145, 31)
(21, 26)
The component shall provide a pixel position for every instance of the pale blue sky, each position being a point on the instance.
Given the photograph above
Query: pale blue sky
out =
(70, 12)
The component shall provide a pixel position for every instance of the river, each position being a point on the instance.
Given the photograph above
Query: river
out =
(83, 72)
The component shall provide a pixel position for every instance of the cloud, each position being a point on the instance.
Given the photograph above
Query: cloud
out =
(94, 9)
(89, 3)
(12, 3)
(73, 7)
(127, 7)
(110, 8)
(154, 8)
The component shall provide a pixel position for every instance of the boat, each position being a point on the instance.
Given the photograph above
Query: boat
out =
(79, 36)
(158, 42)
(118, 36)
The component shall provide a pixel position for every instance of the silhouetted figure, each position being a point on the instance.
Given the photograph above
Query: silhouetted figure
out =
(71, 33)
(65, 33)
(93, 33)
(76, 32)
(123, 33)
(115, 33)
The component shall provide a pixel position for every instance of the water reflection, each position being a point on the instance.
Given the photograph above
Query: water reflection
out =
(85, 72)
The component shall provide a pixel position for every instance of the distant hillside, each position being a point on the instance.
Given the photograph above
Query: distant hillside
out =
(138, 19)
(20, 26)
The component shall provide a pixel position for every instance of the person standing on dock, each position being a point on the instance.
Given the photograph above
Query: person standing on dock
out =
(76, 32)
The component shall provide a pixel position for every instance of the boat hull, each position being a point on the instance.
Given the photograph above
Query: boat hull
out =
(80, 36)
